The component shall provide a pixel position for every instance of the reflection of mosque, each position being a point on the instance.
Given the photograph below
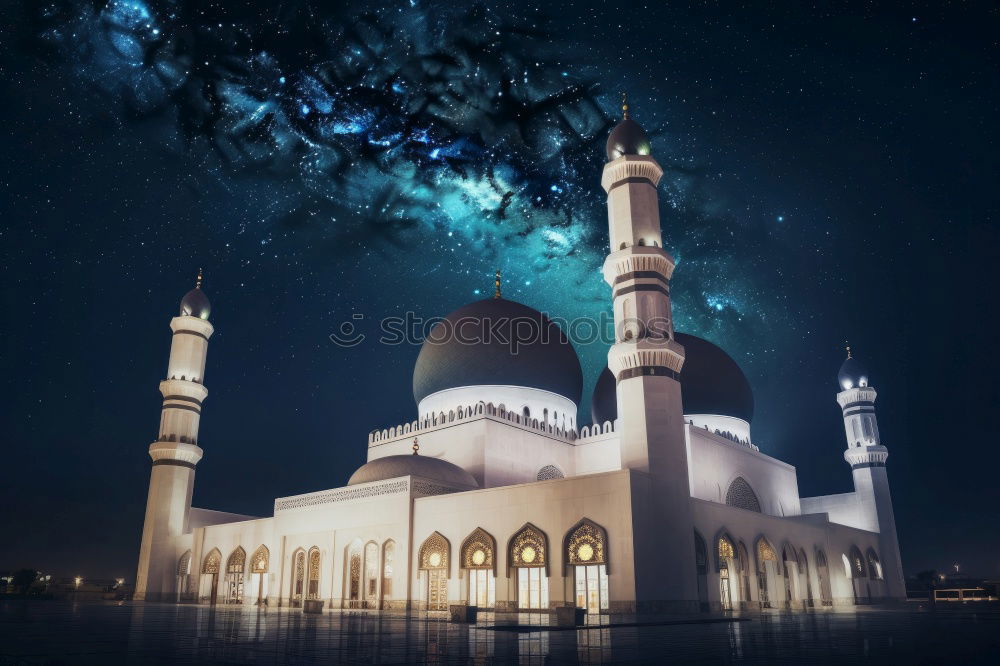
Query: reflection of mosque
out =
(494, 497)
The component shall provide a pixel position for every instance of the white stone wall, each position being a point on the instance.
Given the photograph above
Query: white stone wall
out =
(715, 462)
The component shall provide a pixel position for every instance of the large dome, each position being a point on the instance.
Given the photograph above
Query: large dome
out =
(497, 342)
(627, 138)
(392, 467)
(711, 383)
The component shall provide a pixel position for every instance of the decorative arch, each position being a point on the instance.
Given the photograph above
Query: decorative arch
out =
(742, 496)
(823, 575)
(352, 572)
(788, 554)
(260, 560)
(765, 553)
(700, 553)
(725, 549)
(548, 473)
(237, 561)
(874, 565)
(184, 564)
(857, 563)
(313, 573)
(529, 547)
(388, 568)
(584, 544)
(298, 576)
(479, 551)
(212, 562)
(434, 552)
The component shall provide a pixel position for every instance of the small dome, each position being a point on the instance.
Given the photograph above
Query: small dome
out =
(711, 383)
(627, 138)
(852, 373)
(195, 304)
(497, 342)
(433, 469)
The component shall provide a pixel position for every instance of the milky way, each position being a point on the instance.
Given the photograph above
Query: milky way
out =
(458, 141)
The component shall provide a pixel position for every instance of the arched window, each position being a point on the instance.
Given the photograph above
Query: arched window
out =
(823, 573)
(235, 568)
(642, 242)
(258, 572)
(183, 574)
(371, 575)
(479, 562)
(743, 561)
(727, 556)
(388, 562)
(353, 572)
(857, 563)
(767, 569)
(314, 562)
(528, 556)
(874, 565)
(298, 577)
(586, 551)
(433, 561)
(741, 495)
(212, 563)
(790, 559)
(548, 473)
(211, 566)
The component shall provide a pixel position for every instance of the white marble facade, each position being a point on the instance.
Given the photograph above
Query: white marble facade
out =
(509, 504)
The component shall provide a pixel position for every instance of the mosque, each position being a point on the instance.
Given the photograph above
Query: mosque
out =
(494, 497)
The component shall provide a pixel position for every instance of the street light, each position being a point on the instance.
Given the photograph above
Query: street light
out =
(78, 580)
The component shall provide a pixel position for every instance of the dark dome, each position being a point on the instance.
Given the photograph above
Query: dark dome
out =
(711, 383)
(195, 304)
(852, 373)
(627, 138)
(458, 353)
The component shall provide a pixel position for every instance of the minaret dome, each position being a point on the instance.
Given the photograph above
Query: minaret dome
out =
(852, 373)
(195, 303)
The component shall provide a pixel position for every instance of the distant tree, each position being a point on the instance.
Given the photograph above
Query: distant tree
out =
(24, 579)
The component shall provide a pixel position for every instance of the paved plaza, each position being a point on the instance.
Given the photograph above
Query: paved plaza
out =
(50, 632)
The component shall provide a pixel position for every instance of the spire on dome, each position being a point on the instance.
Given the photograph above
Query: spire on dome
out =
(197, 282)
(624, 105)
(496, 294)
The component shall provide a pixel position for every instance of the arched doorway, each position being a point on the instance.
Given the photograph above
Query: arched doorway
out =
(858, 575)
(433, 562)
(805, 578)
(258, 573)
(210, 568)
(701, 570)
(478, 558)
(371, 573)
(235, 567)
(874, 574)
(528, 552)
(298, 578)
(312, 589)
(355, 553)
(388, 558)
(727, 571)
(767, 571)
(183, 575)
(586, 551)
(823, 573)
(789, 559)
(743, 561)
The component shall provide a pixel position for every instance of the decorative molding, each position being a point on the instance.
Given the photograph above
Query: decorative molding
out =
(342, 495)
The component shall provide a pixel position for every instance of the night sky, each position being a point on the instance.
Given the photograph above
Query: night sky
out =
(831, 176)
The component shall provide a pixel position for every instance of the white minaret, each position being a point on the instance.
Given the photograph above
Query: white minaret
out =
(646, 362)
(866, 456)
(175, 452)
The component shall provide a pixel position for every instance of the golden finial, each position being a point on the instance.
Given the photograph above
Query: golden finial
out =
(197, 284)
(416, 446)
(624, 105)
(497, 283)
(848, 351)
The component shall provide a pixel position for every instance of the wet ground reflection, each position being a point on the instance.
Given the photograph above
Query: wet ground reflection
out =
(55, 632)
